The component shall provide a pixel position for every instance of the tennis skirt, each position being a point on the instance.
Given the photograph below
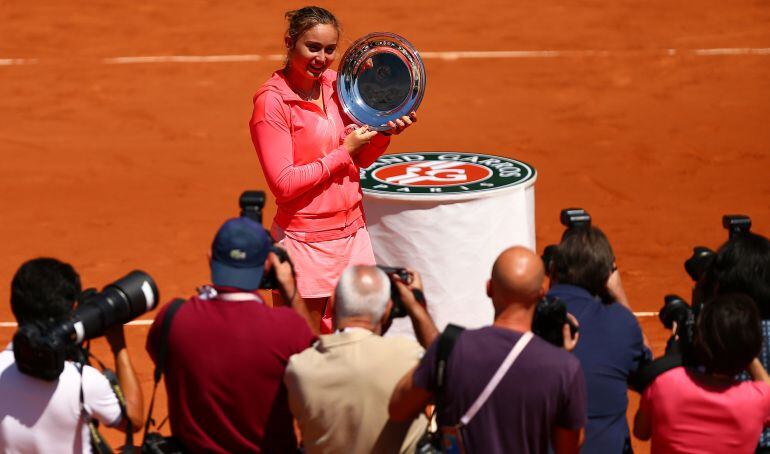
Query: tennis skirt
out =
(318, 264)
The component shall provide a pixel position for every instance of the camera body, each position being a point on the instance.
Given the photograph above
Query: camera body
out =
(676, 310)
(40, 349)
(402, 274)
(549, 319)
(252, 202)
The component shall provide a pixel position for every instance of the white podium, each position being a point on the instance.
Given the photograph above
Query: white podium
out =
(448, 215)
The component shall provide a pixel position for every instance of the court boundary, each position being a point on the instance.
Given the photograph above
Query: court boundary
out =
(428, 55)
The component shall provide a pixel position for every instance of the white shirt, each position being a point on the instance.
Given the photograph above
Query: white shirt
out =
(42, 416)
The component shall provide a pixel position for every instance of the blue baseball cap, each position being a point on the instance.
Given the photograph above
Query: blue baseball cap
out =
(238, 254)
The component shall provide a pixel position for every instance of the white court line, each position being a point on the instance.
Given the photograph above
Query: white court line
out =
(149, 322)
(17, 61)
(186, 59)
(732, 51)
(134, 323)
(444, 55)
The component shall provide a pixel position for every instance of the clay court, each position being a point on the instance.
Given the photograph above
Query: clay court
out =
(654, 116)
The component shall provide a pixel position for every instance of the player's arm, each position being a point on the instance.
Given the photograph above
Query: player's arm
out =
(271, 135)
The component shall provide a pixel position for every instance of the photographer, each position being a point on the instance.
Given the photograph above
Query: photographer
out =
(339, 389)
(688, 410)
(227, 350)
(612, 347)
(742, 265)
(51, 416)
(539, 403)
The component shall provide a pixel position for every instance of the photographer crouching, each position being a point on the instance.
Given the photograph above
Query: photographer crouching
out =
(47, 400)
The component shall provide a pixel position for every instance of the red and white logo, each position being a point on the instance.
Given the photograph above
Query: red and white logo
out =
(432, 173)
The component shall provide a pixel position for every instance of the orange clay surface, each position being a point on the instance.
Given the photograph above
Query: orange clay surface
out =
(115, 167)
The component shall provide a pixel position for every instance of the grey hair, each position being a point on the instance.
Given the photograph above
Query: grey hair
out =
(363, 290)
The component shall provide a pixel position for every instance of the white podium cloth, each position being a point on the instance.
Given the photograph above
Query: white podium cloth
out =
(452, 240)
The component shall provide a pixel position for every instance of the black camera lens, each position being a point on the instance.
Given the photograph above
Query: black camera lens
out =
(675, 309)
(549, 319)
(119, 302)
(699, 262)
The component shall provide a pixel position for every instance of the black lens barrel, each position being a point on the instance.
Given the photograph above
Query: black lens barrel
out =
(119, 302)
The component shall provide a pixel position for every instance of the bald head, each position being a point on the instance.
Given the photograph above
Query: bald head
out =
(517, 277)
(362, 291)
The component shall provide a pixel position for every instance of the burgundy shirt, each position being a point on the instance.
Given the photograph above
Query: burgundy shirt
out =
(545, 387)
(224, 377)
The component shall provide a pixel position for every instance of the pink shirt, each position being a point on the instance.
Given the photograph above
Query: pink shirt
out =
(315, 182)
(690, 416)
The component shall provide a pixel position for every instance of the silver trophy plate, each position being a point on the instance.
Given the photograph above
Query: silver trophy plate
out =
(381, 78)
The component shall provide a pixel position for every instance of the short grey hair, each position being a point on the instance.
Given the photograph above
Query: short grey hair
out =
(363, 290)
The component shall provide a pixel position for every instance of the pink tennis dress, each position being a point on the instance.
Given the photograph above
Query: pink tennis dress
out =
(320, 218)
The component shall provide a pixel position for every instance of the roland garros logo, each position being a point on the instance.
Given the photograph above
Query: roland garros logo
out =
(432, 172)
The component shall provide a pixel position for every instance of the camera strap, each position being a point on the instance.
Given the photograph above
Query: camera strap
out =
(446, 343)
(161, 359)
(98, 444)
(520, 345)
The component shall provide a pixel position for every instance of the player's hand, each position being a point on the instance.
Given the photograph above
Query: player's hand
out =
(357, 139)
(398, 126)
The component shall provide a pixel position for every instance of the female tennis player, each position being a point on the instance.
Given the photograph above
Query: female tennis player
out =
(310, 152)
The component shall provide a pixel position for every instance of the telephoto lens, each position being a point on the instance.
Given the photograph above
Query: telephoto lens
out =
(41, 349)
(119, 302)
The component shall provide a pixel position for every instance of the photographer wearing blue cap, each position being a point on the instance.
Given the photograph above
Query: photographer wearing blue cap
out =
(227, 350)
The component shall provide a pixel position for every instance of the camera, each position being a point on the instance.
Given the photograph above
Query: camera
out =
(403, 275)
(702, 257)
(549, 319)
(679, 350)
(252, 202)
(570, 218)
(676, 310)
(40, 349)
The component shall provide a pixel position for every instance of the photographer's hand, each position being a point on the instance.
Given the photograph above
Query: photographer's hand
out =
(284, 274)
(127, 378)
(287, 287)
(757, 372)
(570, 342)
(615, 289)
(424, 328)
